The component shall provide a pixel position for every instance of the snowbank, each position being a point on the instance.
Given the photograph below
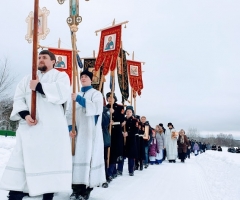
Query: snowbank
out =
(222, 172)
(6, 146)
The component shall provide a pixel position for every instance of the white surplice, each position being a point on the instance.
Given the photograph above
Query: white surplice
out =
(88, 162)
(171, 145)
(41, 161)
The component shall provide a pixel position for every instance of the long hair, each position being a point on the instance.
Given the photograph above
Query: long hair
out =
(160, 131)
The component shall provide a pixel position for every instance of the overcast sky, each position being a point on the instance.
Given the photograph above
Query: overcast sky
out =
(191, 49)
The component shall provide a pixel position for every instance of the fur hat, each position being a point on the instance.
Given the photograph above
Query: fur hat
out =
(137, 117)
(88, 73)
(129, 108)
(109, 94)
(170, 124)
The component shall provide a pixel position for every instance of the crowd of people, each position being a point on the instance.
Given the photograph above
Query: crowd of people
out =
(43, 162)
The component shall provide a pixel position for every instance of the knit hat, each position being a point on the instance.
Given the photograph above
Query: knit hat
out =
(88, 73)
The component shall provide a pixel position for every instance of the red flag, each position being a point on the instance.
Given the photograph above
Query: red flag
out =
(135, 75)
(110, 43)
(63, 61)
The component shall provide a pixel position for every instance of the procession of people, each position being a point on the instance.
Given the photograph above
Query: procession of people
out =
(105, 135)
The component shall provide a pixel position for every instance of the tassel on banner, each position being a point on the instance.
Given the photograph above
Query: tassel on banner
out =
(110, 43)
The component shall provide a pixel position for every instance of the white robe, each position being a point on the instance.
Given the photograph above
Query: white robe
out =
(88, 162)
(171, 145)
(41, 161)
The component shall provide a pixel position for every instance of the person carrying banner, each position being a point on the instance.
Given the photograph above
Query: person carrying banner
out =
(41, 160)
(88, 161)
(117, 141)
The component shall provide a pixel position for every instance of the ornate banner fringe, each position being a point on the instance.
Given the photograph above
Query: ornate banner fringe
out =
(135, 75)
(110, 43)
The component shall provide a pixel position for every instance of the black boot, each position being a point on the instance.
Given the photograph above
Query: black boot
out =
(15, 195)
(48, 196)
(105, 185)
(87, 193)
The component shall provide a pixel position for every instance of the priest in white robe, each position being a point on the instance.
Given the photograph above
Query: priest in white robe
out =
(41, 162)
(88, 162)
(171, 144)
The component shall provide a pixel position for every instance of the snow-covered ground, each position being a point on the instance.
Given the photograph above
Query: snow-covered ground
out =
(209, 176)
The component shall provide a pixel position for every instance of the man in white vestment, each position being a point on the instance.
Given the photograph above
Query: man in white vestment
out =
(88, 162)
(171, 143)
(41, 162)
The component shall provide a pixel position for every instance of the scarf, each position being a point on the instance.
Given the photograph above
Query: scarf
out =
(181, 139)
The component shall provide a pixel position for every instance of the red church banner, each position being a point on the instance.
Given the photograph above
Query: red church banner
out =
(110, 43)
(63, 61)
(135, 75)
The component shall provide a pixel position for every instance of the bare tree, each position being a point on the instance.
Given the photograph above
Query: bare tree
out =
(6, 102)
(193, 133)
(6, 79)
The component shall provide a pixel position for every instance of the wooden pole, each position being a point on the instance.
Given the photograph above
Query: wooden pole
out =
(74, 90)
(110, 126)
(34, 59)
(131, 88)
(112, 92)
(59, 43)
(135, 104)
(77, 73)
(101, 83)
(111, 26)
(122, 71)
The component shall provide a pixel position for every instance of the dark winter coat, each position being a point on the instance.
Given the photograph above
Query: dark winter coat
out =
(105, 124)
(153, 148)
(182, 148)
(131, 144)
(204, 146)
(147, 142)
(190, 145)
(219, 148)
(117, 141)
(238, 150)
(140, 142)
(208, 146)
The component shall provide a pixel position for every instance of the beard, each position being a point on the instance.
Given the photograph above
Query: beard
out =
(42, 68)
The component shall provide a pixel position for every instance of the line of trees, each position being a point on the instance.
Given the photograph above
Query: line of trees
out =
(220, 139)
(6, 101)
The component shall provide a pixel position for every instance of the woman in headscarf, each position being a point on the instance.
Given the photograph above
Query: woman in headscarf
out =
(183, 145)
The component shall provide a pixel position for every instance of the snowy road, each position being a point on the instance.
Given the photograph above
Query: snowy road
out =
(209, 176)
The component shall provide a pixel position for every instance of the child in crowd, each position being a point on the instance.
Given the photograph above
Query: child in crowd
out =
(196, 148)
(153, 149)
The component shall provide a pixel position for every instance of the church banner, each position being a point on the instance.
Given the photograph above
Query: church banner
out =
(123, 75)
(89, 64)
(63, 61)
(135, 75)
(110, 43)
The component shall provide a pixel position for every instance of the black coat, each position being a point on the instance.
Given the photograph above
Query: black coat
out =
(117, 141)
(105, 124)
(140, 142)
(131, 143)
(147, 142)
